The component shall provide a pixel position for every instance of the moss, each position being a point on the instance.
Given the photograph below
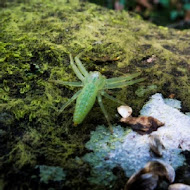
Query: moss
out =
(21, 155)
(36, 38)
(1, 184)
(142, 90)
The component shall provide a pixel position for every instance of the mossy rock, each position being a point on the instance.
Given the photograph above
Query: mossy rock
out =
(36, 38)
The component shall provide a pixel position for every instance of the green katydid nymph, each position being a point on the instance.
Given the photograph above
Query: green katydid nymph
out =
(93, 86)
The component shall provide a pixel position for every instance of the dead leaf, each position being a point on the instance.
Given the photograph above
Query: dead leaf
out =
(143, 124)
(146, 181)
(172, 96)
(148, 177)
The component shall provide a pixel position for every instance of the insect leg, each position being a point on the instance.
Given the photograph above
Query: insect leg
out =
(123, 84)
(76, 84)
(104, 112)
(112, 98)
(70, 101)
(122, 78)
(80, 66)
(75, 69)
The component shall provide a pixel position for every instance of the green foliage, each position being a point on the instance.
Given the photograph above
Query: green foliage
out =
(163, 12)
(165, 3)
(186, 6)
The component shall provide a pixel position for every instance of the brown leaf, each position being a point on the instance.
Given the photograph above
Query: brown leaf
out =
(172, 96)
(148, 177)
(147, 181)
(143, 124)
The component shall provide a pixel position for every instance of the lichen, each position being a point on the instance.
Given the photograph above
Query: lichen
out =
(173, 134)
(131, 151)
(51, 173)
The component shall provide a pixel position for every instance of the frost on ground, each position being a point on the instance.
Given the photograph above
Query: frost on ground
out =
(131, 151)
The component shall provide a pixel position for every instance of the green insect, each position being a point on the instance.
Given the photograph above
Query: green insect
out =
(93, 86)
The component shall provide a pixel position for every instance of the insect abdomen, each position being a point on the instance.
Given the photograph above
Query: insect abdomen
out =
(85, 101)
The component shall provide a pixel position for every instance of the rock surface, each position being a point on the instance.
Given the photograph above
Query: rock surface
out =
(36, 37)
